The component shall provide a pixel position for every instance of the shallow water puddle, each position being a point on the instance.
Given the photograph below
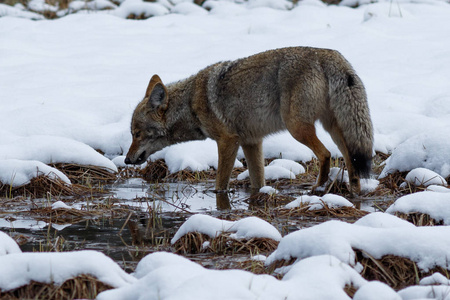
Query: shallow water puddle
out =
(135, 218)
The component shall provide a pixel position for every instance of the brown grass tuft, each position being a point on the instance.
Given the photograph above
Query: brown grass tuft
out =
(80, 287)
(157, 171)
(419, 219)
(397, 272)
(268, 200)
(194, 242)
(43, 186)
(325, 211)
(85, 174)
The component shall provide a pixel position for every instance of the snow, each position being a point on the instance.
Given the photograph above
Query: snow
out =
(6, 10)
(268, 190)
(424, 177)
(19, 269)
(315, 202)
(87, 72)
(292, 166)
(8, 245)
(436, 278)
(247, 228)
(430, 150)
(69, 87)
(440, 292)
(382, 220)
(376, 290)
(434, 204)
(271, 173)
(15, 172)
(60, 204)
(197, 156)
(427, 246)
(168, 276)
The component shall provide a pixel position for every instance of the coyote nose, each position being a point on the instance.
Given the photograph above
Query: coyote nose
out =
(127, 161)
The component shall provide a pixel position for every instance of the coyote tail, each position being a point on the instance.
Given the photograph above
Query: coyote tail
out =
(348, 102)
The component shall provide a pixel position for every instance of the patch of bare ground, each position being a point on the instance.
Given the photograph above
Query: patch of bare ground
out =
(80, 287)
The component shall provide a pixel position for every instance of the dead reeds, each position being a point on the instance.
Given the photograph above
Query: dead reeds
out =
(195, 242)
(397, 272)
(157, 171)
(80, 287)
(419, 219)
(86, 174)
(343, 212)
(43, 186)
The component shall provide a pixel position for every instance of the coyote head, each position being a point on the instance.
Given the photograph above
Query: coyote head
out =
(148, 123)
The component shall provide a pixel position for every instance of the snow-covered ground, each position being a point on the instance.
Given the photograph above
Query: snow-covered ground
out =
(75, 81)
(68, 87)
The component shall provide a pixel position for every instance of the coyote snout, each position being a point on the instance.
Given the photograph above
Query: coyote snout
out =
(237, 103)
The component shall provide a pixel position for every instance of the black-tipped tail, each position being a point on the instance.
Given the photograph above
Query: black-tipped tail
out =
(362, 164)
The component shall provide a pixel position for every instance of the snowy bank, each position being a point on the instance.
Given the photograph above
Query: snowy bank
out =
(434, 204)
(315, 202)
(427, 246)
(19, 269)
(16, 172)
(167, 276)
(247, 228)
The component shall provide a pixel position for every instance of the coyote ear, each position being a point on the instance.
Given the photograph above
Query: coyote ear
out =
(157, 93)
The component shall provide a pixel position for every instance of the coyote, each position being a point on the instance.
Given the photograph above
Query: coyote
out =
(237, 103)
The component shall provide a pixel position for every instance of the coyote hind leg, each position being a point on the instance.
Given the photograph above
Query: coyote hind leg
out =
(305, 133)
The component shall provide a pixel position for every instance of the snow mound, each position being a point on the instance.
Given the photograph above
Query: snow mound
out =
(8, 245)
(243, 229)
(376, 290)
(268, 190)
(53, 149)
(382, 220)
(426, 150)
(427, 246)
(425, 177)
(195, 156)
(19, 269)
(315, 202)
(288, 164)
(7, 10)
(434, 204)
(16, 172)
(169, 276)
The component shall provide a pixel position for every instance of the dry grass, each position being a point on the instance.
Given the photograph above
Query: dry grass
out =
(195, 242)
(86, 175)
(43, 186)
(397, 272)
(80, 287)
(84, 179)
(326, 211)
(157, 171)
(420, 219)
(70, 215)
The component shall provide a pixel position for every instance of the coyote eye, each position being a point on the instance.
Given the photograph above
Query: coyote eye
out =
(137, 135)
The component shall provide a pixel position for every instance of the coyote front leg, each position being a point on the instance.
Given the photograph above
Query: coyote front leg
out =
(255, 164)
(227, 148)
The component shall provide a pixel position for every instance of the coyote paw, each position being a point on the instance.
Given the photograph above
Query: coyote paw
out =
(319, 190)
